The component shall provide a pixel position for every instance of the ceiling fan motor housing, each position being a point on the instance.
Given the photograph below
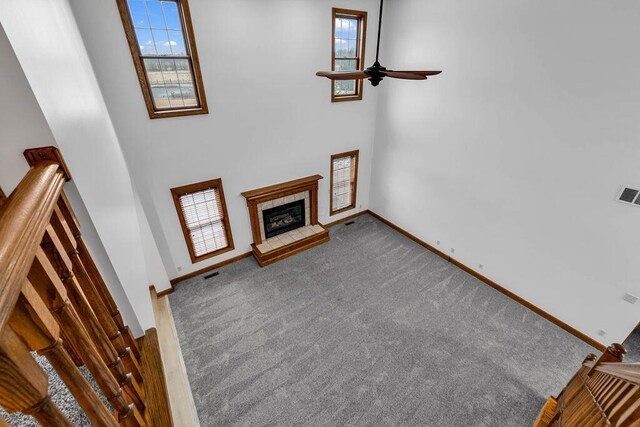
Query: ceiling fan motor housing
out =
(375, 73)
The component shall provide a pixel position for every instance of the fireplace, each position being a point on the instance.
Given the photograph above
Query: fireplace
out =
(283, 218)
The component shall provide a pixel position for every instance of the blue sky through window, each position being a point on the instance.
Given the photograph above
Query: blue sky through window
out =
(346, 37)
(346, 51)
(158, 28)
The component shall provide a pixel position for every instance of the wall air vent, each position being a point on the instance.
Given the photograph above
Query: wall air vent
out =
(629, 196)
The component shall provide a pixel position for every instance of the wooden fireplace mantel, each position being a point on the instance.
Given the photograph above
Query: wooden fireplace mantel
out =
(271, 192)
(280, 190)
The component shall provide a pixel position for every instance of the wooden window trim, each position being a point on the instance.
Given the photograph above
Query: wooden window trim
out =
(362, 38)
(190, 45)
(354, 186)
(191, 188)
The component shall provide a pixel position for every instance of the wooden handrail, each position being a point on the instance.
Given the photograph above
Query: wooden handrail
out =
(53, 300)
(629, 372)
(23, 219)
(604, 391)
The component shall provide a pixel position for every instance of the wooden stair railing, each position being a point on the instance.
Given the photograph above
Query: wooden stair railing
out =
(54, 301)
(604, 392)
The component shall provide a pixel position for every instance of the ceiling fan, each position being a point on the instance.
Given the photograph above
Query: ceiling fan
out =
(377, 72)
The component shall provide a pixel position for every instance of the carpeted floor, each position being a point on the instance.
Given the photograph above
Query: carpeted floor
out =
(368, 329)
(632, 345)
(60, 395)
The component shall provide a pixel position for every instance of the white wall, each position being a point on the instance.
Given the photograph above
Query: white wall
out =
(99, 254)
(271, 118)
(513, 156)
(156, 273)
(46, 41)
(23, 126)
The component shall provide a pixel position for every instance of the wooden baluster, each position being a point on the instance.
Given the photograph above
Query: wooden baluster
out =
(95, 299)
(32, 321)
(70, 350)
(606, 401)
(91, 268)
(107, 298)
(625, 404)
(53, 293)
(57, 256)
(23, 383)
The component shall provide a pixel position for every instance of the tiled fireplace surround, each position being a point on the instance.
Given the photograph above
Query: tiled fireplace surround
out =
(283, 201)
(267, 251)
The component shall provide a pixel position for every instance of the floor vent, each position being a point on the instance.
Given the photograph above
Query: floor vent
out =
(209, 276)
(629, 196)
(350, 222)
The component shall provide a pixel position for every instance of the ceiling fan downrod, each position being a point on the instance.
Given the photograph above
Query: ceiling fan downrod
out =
(374, 71)
(379, 31)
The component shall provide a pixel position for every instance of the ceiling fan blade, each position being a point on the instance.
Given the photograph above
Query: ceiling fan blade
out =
(343, 75)
(403, 75)
(423, 73)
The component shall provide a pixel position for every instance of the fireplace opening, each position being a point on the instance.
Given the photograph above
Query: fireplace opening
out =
(283, 218)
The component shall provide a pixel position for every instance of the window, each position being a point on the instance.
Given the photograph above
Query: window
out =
(164, 54)
(203, 217)
(344, 181)
(349, 35)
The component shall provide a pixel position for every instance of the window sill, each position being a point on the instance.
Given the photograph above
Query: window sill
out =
(196, 259)
(177, 113)
(339, 211)
(346, 98)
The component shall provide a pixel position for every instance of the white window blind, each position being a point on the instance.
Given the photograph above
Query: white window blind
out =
(204, 218)
(343, 182)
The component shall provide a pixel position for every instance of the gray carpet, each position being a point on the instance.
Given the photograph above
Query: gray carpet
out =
(60, 395)
(368, 329)
(632, 345)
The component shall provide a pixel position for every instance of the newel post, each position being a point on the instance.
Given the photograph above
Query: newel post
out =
(613, 354)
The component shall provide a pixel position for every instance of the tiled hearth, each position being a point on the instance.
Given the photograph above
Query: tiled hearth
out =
(308, 232)
(290, 237)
